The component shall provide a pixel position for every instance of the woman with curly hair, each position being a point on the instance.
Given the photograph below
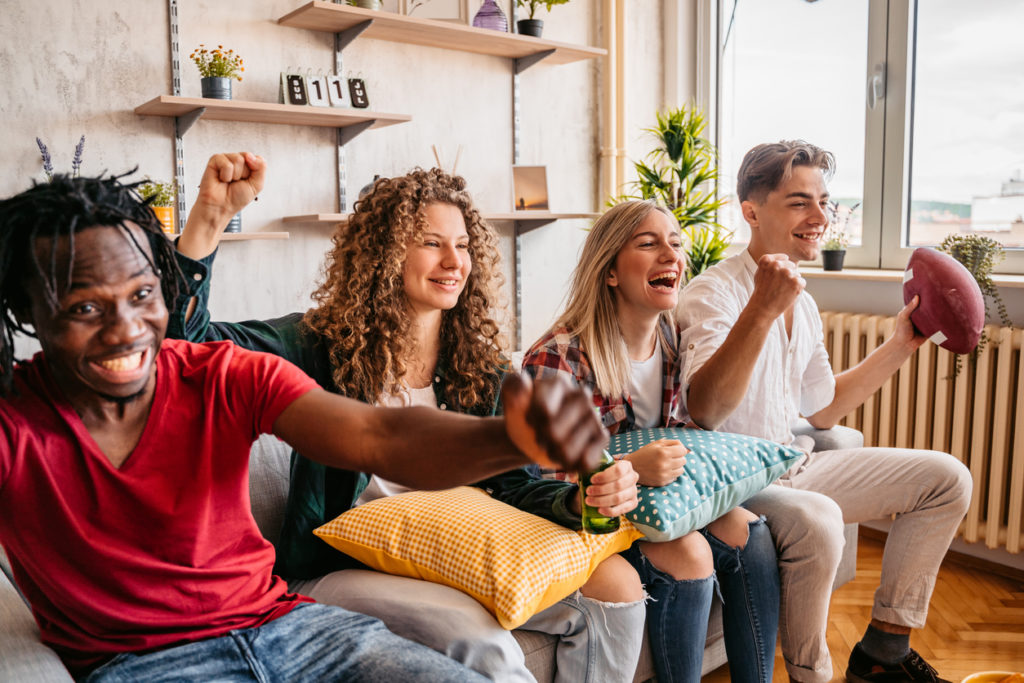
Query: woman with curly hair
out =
(404, 317)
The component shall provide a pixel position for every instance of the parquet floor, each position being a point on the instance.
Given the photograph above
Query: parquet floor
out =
(975, 621)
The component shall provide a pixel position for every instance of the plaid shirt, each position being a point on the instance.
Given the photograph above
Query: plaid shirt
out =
(559, 352)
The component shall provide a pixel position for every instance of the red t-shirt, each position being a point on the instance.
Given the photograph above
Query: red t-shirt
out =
(163, 550)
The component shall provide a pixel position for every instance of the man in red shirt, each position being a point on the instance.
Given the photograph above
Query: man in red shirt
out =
(124, 502)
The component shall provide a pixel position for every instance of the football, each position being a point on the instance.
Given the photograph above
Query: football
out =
(952, 310)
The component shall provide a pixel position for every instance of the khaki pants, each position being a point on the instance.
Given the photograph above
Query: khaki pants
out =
(927, 491)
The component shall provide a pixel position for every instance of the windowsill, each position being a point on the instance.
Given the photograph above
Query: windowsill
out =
(879, 275)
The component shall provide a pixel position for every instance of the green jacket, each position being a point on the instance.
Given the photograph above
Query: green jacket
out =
(317, 493)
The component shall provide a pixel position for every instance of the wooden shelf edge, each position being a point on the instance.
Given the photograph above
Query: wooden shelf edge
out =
(243, 236)
(267, 112)
(326, 16)
(512, 216)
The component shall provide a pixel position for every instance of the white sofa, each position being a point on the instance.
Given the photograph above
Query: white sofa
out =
(24, 658)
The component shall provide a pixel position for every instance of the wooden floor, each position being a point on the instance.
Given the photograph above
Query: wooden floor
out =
(975, 620)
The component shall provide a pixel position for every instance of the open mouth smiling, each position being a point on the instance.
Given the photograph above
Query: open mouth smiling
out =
(666, 280)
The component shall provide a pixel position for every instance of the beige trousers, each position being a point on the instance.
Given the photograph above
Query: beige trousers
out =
(927, 491)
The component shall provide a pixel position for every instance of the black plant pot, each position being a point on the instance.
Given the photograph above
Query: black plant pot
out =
(216, 88)
(833, 259)
(530, 27)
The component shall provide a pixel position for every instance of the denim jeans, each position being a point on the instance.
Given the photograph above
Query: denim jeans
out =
(677, 614)
(677, 619)
(311, 643)
(597, 642)
(748, 578)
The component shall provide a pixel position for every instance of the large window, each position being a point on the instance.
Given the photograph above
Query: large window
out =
(922, 104)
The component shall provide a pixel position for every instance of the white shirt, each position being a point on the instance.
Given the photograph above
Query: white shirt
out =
(382, 488)
(792, 376)
(645, 390)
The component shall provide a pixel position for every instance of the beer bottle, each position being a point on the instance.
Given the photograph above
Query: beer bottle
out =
(593, 521)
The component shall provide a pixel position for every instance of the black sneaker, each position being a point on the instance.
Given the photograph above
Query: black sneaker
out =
(864, 669)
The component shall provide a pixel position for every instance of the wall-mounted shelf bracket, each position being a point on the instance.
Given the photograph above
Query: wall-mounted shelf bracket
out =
(348, 35)
(185, 121)
(348, 133)
(524, 63)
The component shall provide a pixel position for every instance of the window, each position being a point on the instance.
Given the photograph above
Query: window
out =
(922, 104)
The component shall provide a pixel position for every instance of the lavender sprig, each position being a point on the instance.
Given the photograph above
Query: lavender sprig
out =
(47, 162)
(76, 161)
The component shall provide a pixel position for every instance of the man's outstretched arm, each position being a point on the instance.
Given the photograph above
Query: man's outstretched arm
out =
(855, 385)
(546, 421)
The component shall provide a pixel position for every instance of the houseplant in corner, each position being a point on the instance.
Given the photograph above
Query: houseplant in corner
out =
(979, 255)
(681, 174)
(161, 198)
(532, 26)
(218, 68)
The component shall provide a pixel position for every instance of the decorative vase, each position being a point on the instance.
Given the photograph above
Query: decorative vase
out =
(490, 16)
(368, 4)
(530, 27)
(235, 225)
(833, 259)
(216, 87)
(165, 214)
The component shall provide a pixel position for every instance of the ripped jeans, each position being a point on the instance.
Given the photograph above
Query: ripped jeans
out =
(677, 612)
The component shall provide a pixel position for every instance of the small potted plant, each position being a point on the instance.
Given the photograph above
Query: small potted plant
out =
(532, 26)
(218, 68)
(979, 255)
(836, 238)
(161, 198)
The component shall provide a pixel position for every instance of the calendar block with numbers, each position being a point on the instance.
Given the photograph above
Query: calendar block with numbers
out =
(293, 89)
(357, 91)
(316, 91)
(335, 91)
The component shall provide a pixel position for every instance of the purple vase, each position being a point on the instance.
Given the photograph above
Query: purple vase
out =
(490, 16)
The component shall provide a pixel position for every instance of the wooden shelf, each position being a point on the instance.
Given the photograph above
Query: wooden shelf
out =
(267, 112)
(242, 236)
(524, 221)
(398, 28)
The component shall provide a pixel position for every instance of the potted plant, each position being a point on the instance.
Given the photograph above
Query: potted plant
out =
(979, 255)
(218, 68)
(161, 198)
(532, 26)
(681, 173)
(836, 238)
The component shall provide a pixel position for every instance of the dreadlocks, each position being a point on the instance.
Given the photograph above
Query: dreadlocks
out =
(60, 208)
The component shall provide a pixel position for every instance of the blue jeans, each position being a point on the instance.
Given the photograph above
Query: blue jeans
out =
(749, 580)
(677, 613)
(311, 643)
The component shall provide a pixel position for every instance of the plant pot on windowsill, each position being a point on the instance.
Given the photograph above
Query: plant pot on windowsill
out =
(530, 27)
(832, 259)
(216, 87)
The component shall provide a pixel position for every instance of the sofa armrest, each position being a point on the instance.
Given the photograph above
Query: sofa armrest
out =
(22, 656)
(834, 439)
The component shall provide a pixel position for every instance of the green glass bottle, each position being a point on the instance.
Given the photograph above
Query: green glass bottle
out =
(593, 521)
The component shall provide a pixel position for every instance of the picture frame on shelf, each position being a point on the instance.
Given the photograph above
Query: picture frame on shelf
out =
(530, 188)
(439, 10)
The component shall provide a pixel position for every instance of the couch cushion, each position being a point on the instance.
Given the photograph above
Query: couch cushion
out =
(722, 471)
(269, 472)
(513, 562)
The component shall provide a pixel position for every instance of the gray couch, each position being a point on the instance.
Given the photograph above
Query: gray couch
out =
(24, 658)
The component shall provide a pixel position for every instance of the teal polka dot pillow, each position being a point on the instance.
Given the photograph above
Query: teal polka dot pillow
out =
(722, 471)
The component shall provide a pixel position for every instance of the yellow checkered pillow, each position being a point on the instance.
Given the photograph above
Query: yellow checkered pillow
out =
(515, 563)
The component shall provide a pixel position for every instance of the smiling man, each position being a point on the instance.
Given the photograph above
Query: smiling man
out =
(124, 503)
(754, 362)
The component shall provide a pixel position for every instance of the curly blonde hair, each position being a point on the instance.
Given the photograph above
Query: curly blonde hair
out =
(361, 312)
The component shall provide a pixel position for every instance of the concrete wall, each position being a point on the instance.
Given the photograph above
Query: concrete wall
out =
(81, 68)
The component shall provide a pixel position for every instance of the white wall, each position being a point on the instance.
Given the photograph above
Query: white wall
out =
(74, 68)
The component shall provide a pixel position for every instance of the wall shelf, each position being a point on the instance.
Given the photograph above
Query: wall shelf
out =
(267, 112)
(243, 236)
(398, 28)
(524, 221)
